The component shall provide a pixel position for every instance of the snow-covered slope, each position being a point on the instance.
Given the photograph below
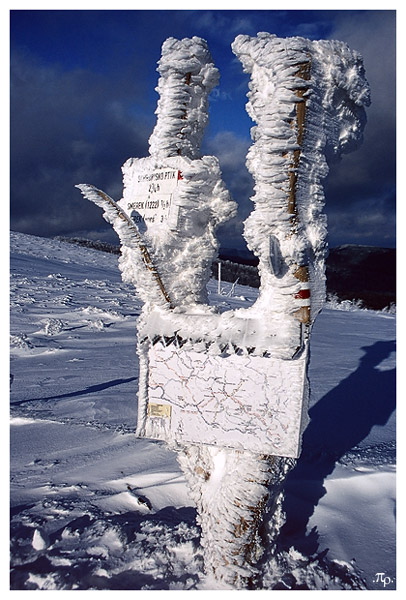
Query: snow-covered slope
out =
(92, 507)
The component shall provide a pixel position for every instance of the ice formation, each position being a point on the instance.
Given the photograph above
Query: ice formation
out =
(231, 490)
(307, 98)
(187, 77)
(175, 198)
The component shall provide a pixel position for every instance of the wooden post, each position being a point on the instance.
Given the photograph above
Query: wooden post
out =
(303, 73)
(188, 78)
(302, 272)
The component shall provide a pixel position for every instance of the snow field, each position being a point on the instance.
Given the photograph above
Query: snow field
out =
(93, 507)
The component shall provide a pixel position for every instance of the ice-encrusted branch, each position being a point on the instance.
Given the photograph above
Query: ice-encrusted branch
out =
(128, 232)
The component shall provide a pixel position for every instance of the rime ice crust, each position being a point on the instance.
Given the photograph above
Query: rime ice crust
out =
(236, 486)
(231, 481)
(200, 202)
(187, 77)
(184, 252)
(335, 96)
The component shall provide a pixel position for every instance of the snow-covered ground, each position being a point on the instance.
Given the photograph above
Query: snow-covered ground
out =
(92, 507)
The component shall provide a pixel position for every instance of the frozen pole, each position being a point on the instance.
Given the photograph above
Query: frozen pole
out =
(302, 271)
(219, 277)
(305, 97)
(187, 77)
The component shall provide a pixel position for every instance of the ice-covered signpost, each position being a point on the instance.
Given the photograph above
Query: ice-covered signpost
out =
(229, 391)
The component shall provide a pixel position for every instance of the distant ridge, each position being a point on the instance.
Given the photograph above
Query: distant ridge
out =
(367, 273)
(94, 244)
(354, 272)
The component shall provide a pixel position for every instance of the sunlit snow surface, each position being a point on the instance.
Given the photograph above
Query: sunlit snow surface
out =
(92, 507)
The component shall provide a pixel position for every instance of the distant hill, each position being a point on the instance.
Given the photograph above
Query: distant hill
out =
(354, 272)
(94, 244)
(366, 273)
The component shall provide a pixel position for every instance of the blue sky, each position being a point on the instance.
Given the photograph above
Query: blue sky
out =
(83, 100)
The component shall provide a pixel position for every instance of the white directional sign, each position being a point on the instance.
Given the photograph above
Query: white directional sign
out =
(149, 197)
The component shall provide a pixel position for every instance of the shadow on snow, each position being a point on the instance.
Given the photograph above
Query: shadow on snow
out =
(339, 422)
(99, 387)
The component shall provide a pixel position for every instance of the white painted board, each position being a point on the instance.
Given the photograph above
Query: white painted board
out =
(149, 195)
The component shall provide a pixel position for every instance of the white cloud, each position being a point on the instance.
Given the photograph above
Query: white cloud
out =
(230, 149)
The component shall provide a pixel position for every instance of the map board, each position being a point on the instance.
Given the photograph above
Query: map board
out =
(238, 401)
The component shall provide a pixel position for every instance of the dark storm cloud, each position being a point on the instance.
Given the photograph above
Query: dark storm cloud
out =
(361, 189)
(68, 127)
(83, 102)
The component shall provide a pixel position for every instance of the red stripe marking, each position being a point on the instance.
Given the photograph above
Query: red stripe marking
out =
(302, 294)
